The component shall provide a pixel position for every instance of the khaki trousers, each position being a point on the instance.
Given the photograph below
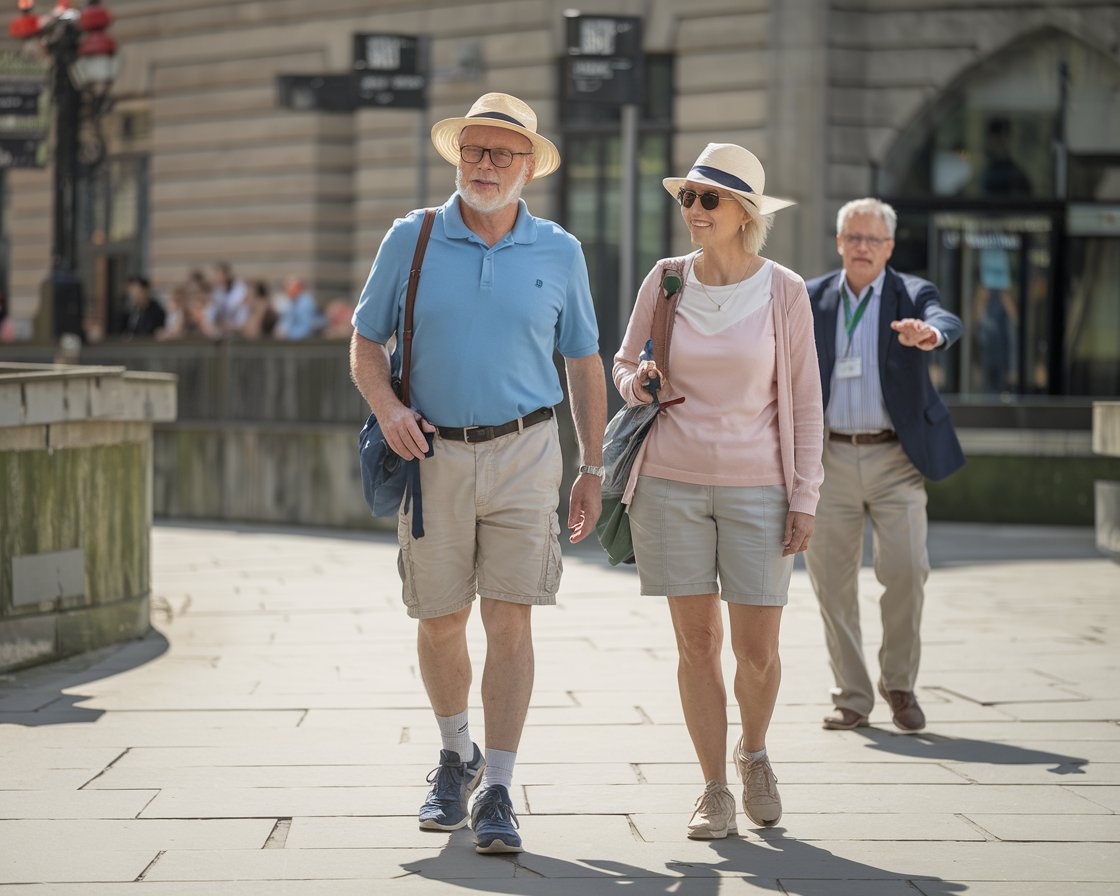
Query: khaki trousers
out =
(877, 481)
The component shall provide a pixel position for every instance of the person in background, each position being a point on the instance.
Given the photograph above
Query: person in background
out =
(142, 316)
(262, 319)
(301, 318)
(887, 429)
(724, 492)
(229, 302)
(339, 313)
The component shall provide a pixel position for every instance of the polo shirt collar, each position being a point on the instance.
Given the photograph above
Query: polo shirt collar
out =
(524, 229)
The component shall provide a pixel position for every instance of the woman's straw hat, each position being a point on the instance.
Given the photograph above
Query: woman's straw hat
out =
(734, 169)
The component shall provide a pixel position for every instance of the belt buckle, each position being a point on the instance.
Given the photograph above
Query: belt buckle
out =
(467, 430)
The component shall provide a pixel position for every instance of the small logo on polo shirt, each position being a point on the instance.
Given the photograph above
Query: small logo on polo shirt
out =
(540, 283)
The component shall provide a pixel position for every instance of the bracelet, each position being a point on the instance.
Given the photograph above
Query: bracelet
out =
(594, 471)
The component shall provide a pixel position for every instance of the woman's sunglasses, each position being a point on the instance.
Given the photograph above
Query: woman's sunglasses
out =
(708, 200)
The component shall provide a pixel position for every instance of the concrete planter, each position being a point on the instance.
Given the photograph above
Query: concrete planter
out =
(75, 506)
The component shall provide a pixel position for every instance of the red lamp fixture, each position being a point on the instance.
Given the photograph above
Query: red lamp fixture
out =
(26, 24)
(97, 63)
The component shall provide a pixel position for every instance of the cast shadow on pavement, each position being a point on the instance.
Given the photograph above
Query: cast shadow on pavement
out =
(937, 747)
(777, 858)
(41, 695)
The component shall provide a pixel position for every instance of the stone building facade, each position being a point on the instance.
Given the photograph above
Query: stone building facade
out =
(839, 98)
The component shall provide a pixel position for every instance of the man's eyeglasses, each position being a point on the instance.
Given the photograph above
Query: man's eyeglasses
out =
(708, 200)
(851, 240)
(501, 158)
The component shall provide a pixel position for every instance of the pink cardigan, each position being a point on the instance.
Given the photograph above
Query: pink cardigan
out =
(800, 412)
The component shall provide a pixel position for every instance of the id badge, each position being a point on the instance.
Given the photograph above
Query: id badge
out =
(847, 368)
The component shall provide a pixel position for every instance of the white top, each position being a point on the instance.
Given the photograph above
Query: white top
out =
(712, 309)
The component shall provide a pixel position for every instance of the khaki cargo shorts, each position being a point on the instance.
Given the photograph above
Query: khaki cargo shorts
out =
(490, 524)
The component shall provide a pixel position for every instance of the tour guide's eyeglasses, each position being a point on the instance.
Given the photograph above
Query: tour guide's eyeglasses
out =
(851, 240)
(501, 158)
(708, 200)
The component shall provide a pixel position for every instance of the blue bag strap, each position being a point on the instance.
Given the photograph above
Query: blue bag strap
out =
(412, 491)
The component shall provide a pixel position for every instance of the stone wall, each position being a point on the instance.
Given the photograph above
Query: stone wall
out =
(75, 507)
(1106, 442)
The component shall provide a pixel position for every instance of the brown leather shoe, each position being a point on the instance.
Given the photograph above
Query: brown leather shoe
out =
(905, 711)
(844, 719)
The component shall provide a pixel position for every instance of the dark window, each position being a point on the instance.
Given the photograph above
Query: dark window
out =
(590, 206)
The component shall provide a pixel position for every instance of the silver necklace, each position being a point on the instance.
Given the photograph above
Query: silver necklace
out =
(719, 305)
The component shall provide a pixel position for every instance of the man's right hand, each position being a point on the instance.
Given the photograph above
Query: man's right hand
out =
(404, 430)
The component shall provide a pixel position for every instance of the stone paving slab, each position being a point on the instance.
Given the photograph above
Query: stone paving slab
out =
(74, 804)
(895, 826)
(580, 799)
(1052, 828)
(26, 835)
(125, 776)
(607, 886)
(814, 773)
(272, 737)
(74, 865)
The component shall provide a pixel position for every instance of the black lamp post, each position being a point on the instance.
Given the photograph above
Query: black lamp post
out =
(83, 65)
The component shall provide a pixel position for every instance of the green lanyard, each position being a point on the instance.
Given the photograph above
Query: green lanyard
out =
(851, 320)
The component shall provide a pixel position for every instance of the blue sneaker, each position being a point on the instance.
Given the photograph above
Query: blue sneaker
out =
(493, 821)
(452, 782)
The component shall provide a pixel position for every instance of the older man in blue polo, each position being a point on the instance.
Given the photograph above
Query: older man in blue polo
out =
(500, 292)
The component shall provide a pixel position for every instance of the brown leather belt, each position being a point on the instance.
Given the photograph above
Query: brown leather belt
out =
(863, 438)
(472, 435)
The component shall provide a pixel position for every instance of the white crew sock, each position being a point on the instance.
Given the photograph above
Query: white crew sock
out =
(456, 735)
(499, 768)
(754, 757)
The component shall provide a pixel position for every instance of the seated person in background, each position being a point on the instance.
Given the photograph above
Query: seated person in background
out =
(339, 313)
(142, 315)
(185, 314)
(261, 322)
(229, 302)
(301, 318)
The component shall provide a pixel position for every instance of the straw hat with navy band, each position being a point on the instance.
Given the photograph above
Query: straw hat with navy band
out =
(734, 169)
(498, 110)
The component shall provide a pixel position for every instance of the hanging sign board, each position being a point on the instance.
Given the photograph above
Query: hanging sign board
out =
(604, 62)
(22, 152)
(18, 96)
(390, 71)
(316, 93)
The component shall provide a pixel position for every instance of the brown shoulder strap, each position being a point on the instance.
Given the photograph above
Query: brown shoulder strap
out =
(663, 315)
(410, 300)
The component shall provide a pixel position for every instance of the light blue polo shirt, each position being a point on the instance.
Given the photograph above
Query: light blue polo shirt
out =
(487, 318)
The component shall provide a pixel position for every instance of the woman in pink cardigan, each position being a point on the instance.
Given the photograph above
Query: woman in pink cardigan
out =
(726, 485)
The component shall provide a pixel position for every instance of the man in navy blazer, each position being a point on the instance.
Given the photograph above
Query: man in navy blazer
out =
(887, 431)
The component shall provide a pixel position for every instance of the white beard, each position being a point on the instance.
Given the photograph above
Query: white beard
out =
(486, 206)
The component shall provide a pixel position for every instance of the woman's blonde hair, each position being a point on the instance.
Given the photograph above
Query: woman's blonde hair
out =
(757, 227)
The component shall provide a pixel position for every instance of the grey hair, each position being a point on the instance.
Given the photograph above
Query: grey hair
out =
(757, 229)
(867, 206)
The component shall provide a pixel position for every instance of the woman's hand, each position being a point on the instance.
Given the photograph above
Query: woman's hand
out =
(799, 529)
(647, 370)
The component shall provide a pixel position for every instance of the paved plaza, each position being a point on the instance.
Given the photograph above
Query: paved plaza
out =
(271, 736)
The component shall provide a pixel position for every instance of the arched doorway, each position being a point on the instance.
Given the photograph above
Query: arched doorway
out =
(1008, 193)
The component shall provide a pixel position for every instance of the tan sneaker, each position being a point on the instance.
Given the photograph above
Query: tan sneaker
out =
(760, 788)
(714, 815)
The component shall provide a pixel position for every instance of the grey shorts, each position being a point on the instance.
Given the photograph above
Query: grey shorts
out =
(709, 539)
(490, 525)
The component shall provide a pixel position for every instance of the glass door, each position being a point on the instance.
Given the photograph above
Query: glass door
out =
(996, 272)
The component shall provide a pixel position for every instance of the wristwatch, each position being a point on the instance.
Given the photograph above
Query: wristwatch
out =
(594, 471)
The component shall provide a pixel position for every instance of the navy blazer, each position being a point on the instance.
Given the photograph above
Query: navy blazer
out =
(920, 417)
